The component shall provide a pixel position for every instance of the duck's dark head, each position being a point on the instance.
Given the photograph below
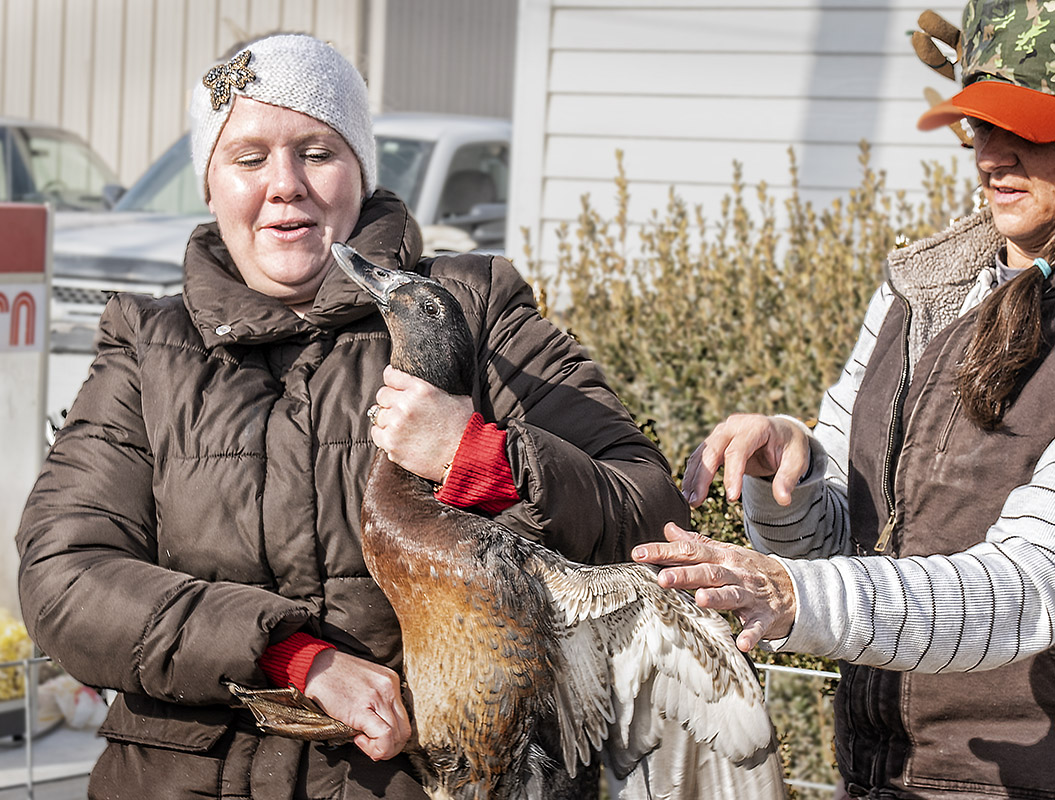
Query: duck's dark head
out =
(430, 338)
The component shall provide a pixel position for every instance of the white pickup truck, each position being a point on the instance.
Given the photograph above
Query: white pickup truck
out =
(452, 171)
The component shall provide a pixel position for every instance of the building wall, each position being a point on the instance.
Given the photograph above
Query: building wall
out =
(120, 72)
(685, 87)
(453, 56)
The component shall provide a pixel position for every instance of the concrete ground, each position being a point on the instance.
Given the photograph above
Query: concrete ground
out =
(65, 789)
(62, 759)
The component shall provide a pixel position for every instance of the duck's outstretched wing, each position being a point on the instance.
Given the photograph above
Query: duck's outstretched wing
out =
(658, 685)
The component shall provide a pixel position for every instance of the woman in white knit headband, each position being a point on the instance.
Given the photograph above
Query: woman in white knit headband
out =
(197, 520)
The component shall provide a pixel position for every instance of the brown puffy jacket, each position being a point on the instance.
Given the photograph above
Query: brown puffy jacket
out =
(202, 501)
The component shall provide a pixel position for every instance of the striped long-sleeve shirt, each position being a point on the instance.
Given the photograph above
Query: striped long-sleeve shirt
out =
(987, 606)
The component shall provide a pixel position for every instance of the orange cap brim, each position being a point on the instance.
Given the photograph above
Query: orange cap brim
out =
(1025, 112)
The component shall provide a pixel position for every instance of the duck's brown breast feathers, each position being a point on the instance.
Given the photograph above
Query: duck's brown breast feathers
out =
(475, 623)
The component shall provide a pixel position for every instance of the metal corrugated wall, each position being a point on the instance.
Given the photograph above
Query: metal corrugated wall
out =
(450, 56)
(120, 72)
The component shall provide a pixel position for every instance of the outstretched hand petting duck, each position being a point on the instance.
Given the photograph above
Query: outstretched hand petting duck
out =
(727, 577)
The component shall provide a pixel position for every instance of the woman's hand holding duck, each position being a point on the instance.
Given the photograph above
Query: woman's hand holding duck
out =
(363, 695)
(418, 425)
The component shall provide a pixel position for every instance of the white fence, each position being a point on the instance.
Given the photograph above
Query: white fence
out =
(812, 755)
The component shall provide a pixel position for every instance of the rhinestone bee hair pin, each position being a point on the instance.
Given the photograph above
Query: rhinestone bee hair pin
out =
(220, 79)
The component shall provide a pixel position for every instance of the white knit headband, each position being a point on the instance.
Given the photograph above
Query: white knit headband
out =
(293, 71)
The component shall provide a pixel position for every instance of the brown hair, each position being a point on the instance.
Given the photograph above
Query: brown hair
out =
(1007, 344)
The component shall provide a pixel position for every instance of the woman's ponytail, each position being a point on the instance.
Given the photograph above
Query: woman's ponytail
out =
(1008, 340)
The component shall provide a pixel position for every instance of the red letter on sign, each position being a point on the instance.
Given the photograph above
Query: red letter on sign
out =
(23, 300)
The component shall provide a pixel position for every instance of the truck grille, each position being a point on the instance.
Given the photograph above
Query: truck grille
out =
(76, 295)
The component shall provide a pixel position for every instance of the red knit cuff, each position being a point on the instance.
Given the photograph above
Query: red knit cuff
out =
(287, 662)
(480, 474)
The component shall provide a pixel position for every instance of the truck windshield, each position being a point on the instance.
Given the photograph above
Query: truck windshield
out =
(401, 166)
(50, 165)
(169, 185)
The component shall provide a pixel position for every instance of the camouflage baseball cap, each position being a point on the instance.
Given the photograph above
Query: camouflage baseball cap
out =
(1008, 67)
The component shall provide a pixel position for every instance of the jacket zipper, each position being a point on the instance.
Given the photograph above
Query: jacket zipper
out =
(883, 542)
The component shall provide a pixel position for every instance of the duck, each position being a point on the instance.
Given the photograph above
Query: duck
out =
(524, 670)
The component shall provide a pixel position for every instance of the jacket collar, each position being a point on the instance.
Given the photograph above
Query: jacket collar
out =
(226, 311)
(935, 274)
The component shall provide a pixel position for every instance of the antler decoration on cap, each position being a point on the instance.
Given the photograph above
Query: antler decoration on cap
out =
(935, 27)
(220, 79)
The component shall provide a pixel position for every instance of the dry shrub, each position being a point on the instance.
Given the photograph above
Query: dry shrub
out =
(699, 319)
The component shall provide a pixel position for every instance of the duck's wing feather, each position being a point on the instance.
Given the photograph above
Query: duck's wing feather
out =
(658, 684)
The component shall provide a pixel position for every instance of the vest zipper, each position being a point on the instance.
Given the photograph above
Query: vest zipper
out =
(892, 446)
(888, 531)
(878, 774)
(878, 768)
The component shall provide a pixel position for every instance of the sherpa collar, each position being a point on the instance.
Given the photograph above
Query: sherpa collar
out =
(935, 274)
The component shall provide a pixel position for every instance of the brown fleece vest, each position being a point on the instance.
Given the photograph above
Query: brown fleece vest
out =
(909, 735)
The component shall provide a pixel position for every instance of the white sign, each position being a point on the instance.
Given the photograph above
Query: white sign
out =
(25, 272)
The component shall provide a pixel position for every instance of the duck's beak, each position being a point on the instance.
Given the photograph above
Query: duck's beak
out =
(377, 281)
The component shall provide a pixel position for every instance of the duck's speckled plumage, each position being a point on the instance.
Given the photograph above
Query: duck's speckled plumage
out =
(523, 668)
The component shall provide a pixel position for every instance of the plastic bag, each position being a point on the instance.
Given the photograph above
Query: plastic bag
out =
(79, 705)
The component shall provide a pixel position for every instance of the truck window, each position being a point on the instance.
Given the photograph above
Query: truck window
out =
(478, 175)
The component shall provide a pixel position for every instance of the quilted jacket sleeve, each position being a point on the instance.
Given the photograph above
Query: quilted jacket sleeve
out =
(592, 485)
(93, 596)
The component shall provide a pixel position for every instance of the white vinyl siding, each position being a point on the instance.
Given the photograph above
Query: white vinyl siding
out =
(686, 88)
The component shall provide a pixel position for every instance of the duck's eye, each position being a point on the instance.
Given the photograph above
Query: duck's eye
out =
(431, 308)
